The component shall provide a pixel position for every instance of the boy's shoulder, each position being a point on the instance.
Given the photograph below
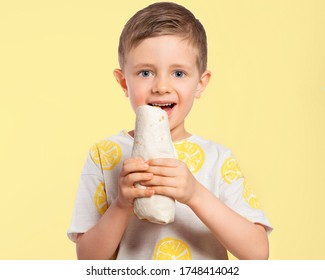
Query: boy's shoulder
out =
(121, 137)
(111, 146)
(209, 144)
(199, 148)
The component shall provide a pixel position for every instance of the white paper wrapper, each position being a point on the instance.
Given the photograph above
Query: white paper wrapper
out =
(152, 140)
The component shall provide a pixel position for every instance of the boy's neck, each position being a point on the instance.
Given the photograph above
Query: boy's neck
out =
(179, 135)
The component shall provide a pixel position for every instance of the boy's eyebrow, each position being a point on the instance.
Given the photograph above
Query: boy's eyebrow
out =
(143, 65)
(173, 66)
(181, 66)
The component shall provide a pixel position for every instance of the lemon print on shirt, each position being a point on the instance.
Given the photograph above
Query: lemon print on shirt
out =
(100, 199)
(230, 170)
(106, 153)
(191, 154)
(172, 249)
(249, 196)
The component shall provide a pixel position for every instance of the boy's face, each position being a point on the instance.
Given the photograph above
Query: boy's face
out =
(162, 71)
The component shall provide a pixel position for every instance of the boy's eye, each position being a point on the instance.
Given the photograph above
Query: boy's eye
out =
(145, 73)
(179, 74)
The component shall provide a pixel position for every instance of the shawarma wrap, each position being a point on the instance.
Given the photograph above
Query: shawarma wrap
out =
(152, 140)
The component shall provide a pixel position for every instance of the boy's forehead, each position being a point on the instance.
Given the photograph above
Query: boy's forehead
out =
(165, 46)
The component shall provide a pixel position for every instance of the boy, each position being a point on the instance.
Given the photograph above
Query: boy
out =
(163, 60)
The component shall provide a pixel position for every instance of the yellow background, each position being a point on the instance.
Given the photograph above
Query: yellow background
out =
(266, 101)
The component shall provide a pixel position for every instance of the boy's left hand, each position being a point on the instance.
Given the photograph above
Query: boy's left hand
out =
(172, 178)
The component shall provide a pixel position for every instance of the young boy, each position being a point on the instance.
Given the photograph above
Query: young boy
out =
(163, 60)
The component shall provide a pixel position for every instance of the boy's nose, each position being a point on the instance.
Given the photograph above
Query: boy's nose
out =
(161, 86)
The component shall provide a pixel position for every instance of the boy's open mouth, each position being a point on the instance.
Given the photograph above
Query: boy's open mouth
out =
(164, 106)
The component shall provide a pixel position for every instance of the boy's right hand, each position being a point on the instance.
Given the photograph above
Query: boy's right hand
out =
(132, 171)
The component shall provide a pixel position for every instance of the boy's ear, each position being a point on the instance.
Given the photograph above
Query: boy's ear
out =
(120, 78)
(203, 82)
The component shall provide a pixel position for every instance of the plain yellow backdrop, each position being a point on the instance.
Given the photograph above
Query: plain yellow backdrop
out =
(265, 101)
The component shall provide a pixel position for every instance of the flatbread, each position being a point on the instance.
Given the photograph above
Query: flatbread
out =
(152, 140)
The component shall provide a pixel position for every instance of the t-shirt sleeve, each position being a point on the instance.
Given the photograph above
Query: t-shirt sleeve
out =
(90, 202)
(237, 194)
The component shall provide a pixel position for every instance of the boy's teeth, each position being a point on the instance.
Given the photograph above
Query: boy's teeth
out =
(161, 105)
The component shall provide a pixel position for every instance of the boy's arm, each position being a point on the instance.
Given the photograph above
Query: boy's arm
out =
(102, 240)
(244, 239)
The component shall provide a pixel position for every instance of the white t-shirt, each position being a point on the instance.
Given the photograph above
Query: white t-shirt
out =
(187, 237)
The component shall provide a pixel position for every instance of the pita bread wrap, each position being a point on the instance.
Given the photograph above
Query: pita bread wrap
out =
(152, 140)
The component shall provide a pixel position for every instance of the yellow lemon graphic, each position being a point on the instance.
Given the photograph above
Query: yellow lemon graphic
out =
(190, 153)
(100, 199)
(230, 170)
(106, 153)
(249, 196)
(172, 249)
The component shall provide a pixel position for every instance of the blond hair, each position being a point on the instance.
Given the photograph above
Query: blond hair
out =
(163, 18)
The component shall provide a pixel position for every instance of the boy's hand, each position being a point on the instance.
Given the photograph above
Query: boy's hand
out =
(171, 177)
(132, 171)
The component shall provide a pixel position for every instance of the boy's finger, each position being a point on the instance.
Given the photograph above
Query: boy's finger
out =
(160, 181)
(132, 178)
(168, 162)
(130, 166)
(143, 192)
(162, 190)
(163, 171)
